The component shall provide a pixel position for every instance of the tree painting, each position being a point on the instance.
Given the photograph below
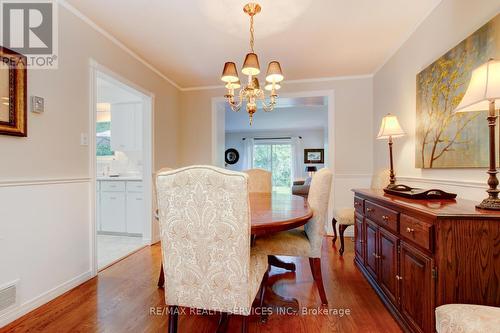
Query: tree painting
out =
(445, 139)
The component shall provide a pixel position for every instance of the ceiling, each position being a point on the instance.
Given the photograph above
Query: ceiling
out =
(189, 40)
(291, 114)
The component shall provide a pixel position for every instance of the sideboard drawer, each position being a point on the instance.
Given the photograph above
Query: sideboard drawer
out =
(383, 216)
(358, 205)
(417, 231)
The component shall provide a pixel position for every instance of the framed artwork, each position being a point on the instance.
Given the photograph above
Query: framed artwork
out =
(454, 140)
(314, 156)
(13, 109)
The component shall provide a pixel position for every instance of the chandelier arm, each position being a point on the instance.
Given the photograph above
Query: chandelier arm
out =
(268, 108)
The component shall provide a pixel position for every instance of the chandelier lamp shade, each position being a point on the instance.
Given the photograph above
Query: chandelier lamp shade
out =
(251, 93)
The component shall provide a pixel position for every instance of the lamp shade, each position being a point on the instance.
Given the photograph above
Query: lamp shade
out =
(233, 85)
(229, 74)
(251, 65)
(274, 73)
(390, 128)
(484, 86)
(311, 169)
(269, 86)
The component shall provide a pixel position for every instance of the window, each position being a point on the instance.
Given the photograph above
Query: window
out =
(275, 156)
(103, 139)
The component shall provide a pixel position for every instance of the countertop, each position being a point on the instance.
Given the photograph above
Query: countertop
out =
(120, 178)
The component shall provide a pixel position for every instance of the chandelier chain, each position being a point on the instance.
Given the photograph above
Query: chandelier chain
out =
(251, 34)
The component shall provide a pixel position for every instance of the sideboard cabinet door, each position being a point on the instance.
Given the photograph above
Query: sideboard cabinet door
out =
(371, 248)
(417, 288)
(359, 238)
(388, 264)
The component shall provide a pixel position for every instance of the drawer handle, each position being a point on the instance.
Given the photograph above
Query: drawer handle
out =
(370, 210)
(410, 230)
(399, 277)
(376, 256)
(138, 199)
(385, 218)
(361, 241)
(112, 198)
(356, 203)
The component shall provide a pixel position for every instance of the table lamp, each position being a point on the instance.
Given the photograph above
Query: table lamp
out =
(311, 170)
(481, 94)
(390, 129)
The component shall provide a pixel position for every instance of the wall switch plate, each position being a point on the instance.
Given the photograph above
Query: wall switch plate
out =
(37, 104)
(84, 139)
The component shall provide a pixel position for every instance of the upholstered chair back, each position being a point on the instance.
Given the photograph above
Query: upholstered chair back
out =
(205, 234)
(259, 181)
(380, 179)
(318, 199)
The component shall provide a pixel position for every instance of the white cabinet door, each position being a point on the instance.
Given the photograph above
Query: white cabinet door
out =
(113, 212)
(126, 126)
(135, 213)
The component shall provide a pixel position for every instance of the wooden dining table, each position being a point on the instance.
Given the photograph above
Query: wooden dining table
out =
(272, 213)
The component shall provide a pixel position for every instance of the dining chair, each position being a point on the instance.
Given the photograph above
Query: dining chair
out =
(467, 318)
(259, 181)
(161, 277)
(306, 242)
(205, 231)
(344, 217)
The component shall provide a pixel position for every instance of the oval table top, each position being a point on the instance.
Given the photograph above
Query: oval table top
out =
(277, 212)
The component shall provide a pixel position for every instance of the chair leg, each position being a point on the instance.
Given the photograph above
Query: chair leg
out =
(223, 323)
(263, 286)
(342, 228)
(244, 324)
(334, 223)
(161, 278)
(173, 313)
(315, 264)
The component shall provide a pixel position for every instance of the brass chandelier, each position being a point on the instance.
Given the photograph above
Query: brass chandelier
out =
(251, 93)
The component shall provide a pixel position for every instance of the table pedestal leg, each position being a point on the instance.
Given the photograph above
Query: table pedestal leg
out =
(276, 262)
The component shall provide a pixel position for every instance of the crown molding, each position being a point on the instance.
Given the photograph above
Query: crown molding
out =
(311, 80)
(115, 41)
(407, 37)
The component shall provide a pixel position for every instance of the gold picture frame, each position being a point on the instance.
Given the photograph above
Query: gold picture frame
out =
(13, 100)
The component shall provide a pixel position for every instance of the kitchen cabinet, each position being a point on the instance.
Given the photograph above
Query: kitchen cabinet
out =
(120, 207)
(126, 127)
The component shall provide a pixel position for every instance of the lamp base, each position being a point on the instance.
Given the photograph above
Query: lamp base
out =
(490, 204)
(391, 186)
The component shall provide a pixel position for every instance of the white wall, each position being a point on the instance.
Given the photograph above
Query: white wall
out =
(45, 231)
(395, 91)
(349, 149)
(311, 138)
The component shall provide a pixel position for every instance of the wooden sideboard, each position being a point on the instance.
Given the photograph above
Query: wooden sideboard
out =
(420, 254)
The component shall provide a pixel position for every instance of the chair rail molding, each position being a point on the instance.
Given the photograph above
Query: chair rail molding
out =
(42, 181)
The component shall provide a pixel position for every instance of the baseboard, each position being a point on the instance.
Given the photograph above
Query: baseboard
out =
(36, 302)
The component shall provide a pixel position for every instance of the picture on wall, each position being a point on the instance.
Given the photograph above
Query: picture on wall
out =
(445, 139)
(314, 156)
(13, 114)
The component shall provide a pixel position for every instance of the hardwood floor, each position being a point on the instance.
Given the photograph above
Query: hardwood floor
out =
(120, 300)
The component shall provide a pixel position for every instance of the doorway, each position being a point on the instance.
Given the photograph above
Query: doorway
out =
(121, 165)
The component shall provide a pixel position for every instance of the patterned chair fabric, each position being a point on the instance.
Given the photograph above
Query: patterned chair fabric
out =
(205, 235)
(307, 242)
(259, 181)
(467, 318)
